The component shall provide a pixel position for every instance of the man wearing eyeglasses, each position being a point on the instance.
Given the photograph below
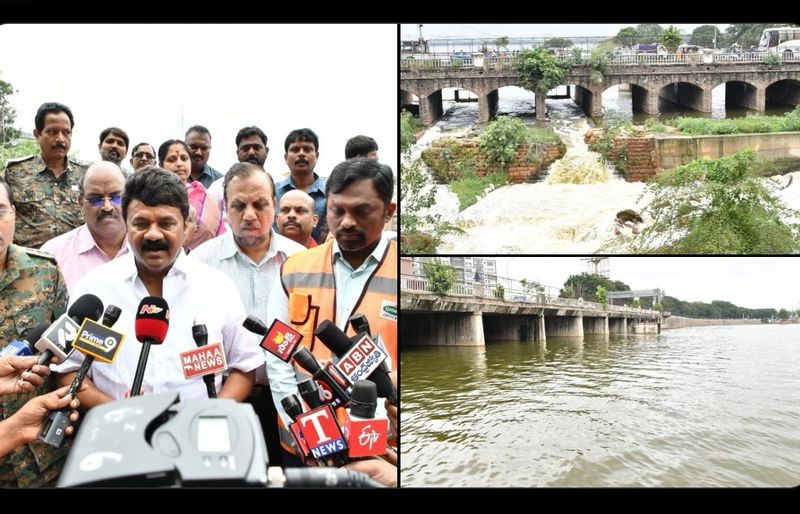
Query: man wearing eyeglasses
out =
(198, 139)
(102, 237)
(45, 185)
(143, 155)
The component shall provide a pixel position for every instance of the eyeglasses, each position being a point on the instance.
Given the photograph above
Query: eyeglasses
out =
(144, 156)
(97, 200)
(5, 212)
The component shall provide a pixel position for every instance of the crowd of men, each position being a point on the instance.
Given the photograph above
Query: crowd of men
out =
(218, 247)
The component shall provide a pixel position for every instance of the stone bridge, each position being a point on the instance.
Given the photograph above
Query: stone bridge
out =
(750, 85)
(429, 319)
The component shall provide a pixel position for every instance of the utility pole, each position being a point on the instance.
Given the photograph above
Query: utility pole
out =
(420, 31)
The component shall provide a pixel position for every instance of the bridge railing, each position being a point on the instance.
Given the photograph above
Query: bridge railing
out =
(500, 63)
(419, 284)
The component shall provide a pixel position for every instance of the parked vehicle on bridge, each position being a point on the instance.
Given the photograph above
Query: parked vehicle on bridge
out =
(783, 40)
(643, 48)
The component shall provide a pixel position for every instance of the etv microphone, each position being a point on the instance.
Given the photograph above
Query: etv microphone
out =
(366, 434)
(200, 336)
(25, 347)
(358, 360)
(334, 387)
(95, 340)
(57, 340)
(152, 323)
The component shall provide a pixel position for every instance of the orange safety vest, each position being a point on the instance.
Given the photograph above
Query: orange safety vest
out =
(307, 277)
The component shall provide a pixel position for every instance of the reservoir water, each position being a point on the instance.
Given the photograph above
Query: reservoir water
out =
(694, 407)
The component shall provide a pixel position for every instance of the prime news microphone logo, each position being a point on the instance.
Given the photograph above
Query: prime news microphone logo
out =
(98, 340)
(62, 333)
(281, 340)
(361, 359)
(203, 360)
(321, 432)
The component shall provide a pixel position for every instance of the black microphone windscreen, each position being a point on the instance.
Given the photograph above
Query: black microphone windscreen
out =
(111, 315)
(306, 360)
(255, 325)
(36, 333)
(333, 337)
(292, 406)
(87, 306)
(364, 399)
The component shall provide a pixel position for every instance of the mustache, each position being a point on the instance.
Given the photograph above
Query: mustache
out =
(349, 232)
(106, 214)
(148, 245)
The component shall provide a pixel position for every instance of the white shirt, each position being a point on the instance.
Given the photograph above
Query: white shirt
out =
(195, 293)
(349, 285)
(254, 281)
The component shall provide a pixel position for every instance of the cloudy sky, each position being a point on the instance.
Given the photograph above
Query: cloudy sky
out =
(751, 282)
(434, 30)
(155, 81)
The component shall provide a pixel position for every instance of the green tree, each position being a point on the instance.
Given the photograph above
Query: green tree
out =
(720, 207)
(602, 296)
(539, 70)
(704, 36)
(8, 114)
(671, 38)
(532, 287)
(420, 232)
(500, 139)
(21, 149)
(408, 127)
(648, 33)
(441, 276)
(783, 314)
(745, 34)
(500, 292)
(626, 37)
(558, 42)
(586, 286)
(501, 42)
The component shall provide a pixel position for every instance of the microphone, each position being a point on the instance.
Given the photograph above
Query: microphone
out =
(366, 434)
(203, 361)
(310, 393)
(332, 383)
(95, 341)
(152, 323)
(57, 340)
(25, 346)
(279, 339)
(358, 360)
(319, 477)
(293, 409)
(322, 433)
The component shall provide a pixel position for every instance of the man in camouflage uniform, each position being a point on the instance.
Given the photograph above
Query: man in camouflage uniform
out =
(46, 185)
(32, 291)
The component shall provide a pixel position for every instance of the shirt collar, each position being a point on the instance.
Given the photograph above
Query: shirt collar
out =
(377, 253)
(181, 265)
(86, 241)
(317, 185)
(229, 248)
(40, 165)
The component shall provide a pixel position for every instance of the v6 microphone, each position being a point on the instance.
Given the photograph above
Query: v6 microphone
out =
(357, 360)
(25, 347)
(95, 340)
(57, 340)
(152, 323)
(366, 434)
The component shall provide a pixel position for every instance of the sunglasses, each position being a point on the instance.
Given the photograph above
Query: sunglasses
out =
(97, 200)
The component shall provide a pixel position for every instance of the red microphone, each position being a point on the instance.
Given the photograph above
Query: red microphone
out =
(366, 434)
(152, 323)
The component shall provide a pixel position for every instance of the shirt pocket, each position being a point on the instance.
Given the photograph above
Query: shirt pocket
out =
(26, 318)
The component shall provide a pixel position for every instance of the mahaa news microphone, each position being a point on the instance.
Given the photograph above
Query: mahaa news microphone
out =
(57, 340)
(358, 360)
(200, 336)
(95, 340)
(152, 323)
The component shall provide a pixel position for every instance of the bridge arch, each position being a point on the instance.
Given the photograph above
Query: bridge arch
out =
(409, 101)
(692, 94)
(783, 92)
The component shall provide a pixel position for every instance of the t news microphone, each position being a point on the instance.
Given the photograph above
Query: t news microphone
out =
(200, 336)
(366, 434)
(293, 409)
(25, 347)
(57, 340)
(358, 360)
(333, 385)
(152, 323)
(95, 340)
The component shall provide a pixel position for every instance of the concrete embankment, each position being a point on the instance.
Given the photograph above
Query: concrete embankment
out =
(679, 322)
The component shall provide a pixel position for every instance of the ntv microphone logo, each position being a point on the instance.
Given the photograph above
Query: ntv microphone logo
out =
(151, 309)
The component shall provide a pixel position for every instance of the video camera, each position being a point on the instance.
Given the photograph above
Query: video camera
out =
(148, 441)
